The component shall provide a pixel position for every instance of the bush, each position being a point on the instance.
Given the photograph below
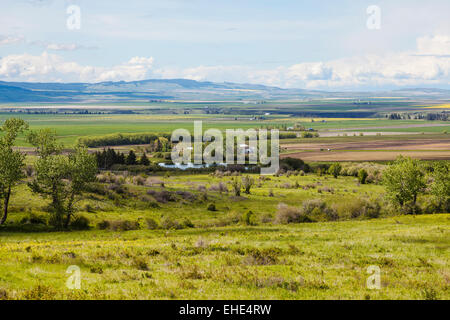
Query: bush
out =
(103, 225)
(411, 208)
(362, 176)
(34, 219)
(88, 208)
(163, 196)
(317, 209)
(80, 223)
(169, 223)
(359, 208)
(248, 218)
(262, 256)
(29, 170)
(287, 214)
(293, 164)
(236, 185)
(211, 207)
(3, 294)
(335, 169)
(247, 183)
(186, 195)
(220, 187)
(118, 225)
(188, 223)
(140, 181)
(152, 224)
(266, 218)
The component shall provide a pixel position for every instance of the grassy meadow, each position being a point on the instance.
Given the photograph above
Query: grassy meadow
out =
(185, 235)
(303, 261)
(221, 256)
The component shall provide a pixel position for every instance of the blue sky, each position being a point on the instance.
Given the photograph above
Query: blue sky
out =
(304, 44)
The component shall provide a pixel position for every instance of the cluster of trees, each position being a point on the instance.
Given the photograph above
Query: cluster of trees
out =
(60, 177)
(395, 116)
(117, 139)
(407, 178)
(440, 116)
(306, 134)
(109, 157)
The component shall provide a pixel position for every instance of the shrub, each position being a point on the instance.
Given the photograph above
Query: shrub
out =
(88, 208)
(118, 225)
(169, 223)
(266, 218)
(262, 256)
(188, 223)
(247, 183)
(360, 208)
(317, 209)
(287, 214)
(236, 185)
(103, 225)
(148, 202)
(3, 294)
(163, 196)
(80, 222)
(220, 187)
(293, 164)
(211, 207)
(411, 208)
(140, 181)
(362, 176)
(248, 218)
(29, 170)
(335, 169)
(151, 224)
(186, 195)
(34, 219)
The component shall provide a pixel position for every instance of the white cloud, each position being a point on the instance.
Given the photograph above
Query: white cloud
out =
(428, 65)
(63, 46)
(437, 45)
(8, 39)
(51, 67)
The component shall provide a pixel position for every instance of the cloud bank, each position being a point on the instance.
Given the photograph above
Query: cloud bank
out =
(428, 65)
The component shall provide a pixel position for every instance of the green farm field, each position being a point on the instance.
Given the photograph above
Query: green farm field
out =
(72, 126)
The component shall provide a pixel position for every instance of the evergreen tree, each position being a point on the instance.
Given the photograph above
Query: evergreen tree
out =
(131, 158)
(144, 160)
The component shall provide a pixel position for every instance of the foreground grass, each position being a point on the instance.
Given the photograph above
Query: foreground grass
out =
(302, 261)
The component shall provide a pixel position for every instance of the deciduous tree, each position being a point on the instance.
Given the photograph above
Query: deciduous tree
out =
(11, 161)
(404, 180)
(62, 178)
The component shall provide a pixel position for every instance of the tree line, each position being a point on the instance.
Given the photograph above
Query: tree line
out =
(116, 139)
(109, 157)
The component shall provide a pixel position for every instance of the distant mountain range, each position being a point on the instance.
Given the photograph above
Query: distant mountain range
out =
(179, 90)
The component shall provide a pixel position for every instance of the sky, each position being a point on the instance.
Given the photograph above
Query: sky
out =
(326, 45)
